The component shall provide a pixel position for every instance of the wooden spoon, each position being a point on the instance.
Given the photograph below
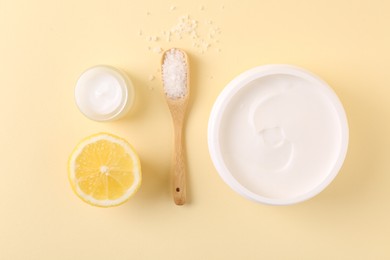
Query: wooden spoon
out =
(177, 105)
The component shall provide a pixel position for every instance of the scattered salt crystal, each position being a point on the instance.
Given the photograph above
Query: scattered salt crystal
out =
(174, 74)
(184, 17)
(153, 38)
(168, 36)
(202, 34)
(157, 49)
(151, 78)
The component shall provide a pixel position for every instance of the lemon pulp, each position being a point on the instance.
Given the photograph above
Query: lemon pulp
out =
(104, 170)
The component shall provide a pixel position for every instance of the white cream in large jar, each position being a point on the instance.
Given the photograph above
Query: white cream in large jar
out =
(278, 134)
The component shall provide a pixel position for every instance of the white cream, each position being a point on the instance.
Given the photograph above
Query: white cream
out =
(277, 137)
(104, 93)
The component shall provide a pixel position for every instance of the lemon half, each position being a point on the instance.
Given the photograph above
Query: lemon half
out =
(104, 170)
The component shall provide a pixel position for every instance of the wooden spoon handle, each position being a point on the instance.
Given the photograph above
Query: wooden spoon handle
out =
(179, 169)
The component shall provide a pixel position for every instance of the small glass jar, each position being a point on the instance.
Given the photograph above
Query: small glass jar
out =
(104, 93)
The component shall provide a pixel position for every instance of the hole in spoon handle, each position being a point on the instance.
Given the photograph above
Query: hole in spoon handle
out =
(179, 191)
(179, 170)
(179, 196)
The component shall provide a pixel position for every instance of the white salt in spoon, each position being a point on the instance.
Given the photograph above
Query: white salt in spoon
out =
(175, 77)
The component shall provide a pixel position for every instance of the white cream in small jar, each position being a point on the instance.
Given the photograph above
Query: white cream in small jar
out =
(104, 93)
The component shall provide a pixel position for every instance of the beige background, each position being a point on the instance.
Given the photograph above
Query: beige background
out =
(45, 45)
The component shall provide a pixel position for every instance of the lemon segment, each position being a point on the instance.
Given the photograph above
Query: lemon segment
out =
(104, 170)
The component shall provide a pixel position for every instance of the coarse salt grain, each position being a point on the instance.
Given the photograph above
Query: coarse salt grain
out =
(153, 38)
(187, 27)
(157, 50)
(174, 74)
